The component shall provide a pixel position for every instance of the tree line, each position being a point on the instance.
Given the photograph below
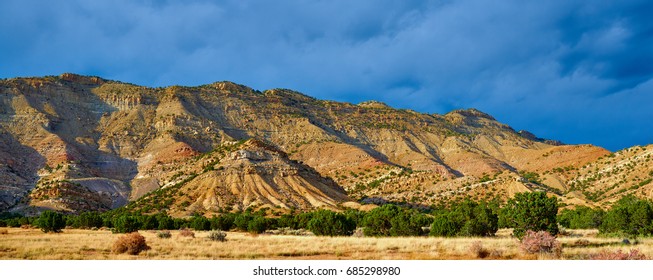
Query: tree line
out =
(526, 211)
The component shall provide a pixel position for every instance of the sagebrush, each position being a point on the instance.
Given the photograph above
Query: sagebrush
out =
(131, 243)
(217, 235)
(633, 254)
(541, 242)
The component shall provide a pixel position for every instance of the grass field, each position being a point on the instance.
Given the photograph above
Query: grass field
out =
(74, 244)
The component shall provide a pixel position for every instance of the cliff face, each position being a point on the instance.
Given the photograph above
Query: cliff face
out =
(115, 142)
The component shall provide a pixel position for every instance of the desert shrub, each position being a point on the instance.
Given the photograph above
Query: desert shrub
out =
(633, 254)
(163, 234)
(477, 250)
(125, 224)
(541, 242)
(131, 243)
(50, 221)
(630, 216)
(325, 222)
(581, 217)
(217, 235)
(187, 233)
(532, 211)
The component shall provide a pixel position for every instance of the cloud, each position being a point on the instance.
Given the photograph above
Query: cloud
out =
(568, 70)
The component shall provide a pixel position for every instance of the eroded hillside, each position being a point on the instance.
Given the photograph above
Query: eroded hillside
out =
(80, 143)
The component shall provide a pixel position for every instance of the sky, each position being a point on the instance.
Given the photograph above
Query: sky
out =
(576, 71)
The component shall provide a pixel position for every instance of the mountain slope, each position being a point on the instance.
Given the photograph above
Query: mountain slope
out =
(116, 142)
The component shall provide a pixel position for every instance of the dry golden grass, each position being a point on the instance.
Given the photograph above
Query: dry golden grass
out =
(86, 244)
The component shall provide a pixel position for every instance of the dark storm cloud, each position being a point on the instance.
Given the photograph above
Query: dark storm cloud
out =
(570, 70)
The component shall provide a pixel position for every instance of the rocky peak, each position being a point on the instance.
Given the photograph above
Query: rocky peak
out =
(88, 80)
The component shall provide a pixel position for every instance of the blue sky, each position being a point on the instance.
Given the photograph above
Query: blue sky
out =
(575, 71)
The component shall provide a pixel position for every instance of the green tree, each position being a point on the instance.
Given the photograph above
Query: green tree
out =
(50, 221)
(391, 220)
(200, 223)
(88, 220)
(467, 218)
(258, 224)
(630, 216)
(125, 224)
(581, 217)
(531, 211)
(326, 222)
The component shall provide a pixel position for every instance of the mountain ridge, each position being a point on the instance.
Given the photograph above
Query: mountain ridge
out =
(121, 141)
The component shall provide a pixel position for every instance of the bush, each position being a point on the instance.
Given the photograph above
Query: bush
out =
(217, 235)
(532, 211)
(131, 243)
(125, 224)
(4, 231)
(187, 233)
(163, 234)
(541, 242)
(477, 250)
(325, 222)
(50, 221)
(634, 254)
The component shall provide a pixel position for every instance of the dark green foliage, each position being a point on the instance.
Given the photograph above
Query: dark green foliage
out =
(581, 217)
(125, 224)
(89, 220)
(258, 224)
(148, 222)
(531, 211)
(630, 216)
(467, 218)
(325, 222)
(165, 222)
(391, 220)
(355, 216)
(302, 219)
(223, 222)
(200, 223)
(287, 221)
(50, 221)
(443, 226)
(241, 221)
